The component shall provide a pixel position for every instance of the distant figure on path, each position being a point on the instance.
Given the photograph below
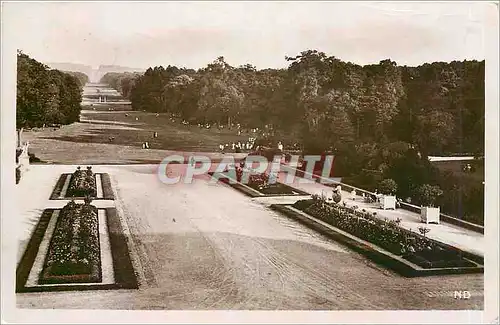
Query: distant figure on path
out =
(233, 146)
(280, 146)
(155, 135)
(157, 115)
(137, 119)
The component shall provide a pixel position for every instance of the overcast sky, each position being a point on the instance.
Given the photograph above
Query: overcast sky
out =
(193, 34)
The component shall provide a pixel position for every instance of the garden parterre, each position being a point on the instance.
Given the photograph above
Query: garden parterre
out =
(385, 234)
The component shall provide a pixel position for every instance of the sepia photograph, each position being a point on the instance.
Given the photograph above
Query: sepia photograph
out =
(321, 162)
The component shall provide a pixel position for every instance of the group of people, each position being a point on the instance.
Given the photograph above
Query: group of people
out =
(248, 145)
(238, 146)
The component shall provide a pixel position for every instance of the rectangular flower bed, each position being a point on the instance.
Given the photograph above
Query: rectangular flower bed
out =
(62, 188)
(258, 186)
(74, 252)
(402, 247)
(82, 183)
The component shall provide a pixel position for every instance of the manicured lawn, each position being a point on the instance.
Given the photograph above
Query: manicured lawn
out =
(103, 125)
(104, 137)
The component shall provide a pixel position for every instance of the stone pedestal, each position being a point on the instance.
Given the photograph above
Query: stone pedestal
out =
(24, 159)
(24, 162)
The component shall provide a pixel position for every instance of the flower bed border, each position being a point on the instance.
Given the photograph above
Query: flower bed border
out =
(125, 276)
(249, 191)
(376, 253)
(107, 190)
(56, 192)
(29, 255)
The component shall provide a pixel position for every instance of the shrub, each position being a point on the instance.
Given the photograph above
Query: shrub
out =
(33, 158)
(82, 183)
(303, 204)
(428, 194)
(18, 153)
(260, 180)
(388, 186)
(336, 197)
(18, 175)
(423, 230)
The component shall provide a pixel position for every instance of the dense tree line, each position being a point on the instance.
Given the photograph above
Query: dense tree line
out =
(121, 81)
(45, 96)
(381, 120)
(80, 76)
(438, 107)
